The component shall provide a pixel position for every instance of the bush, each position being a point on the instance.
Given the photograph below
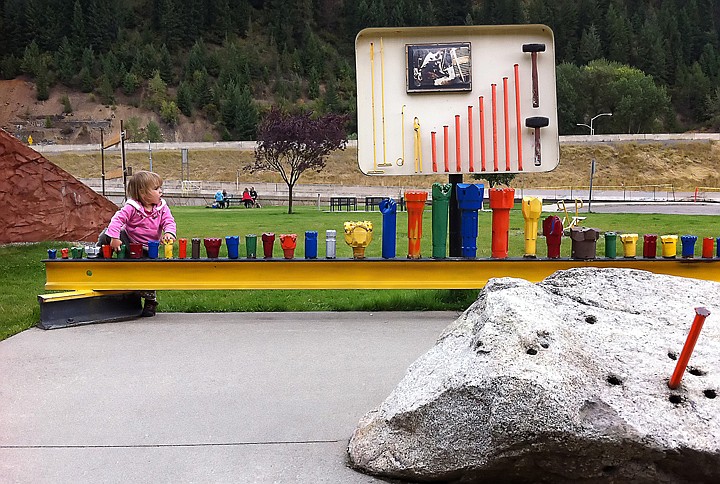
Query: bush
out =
(67, 107)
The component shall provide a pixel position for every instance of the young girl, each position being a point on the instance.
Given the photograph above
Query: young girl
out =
(144, 217)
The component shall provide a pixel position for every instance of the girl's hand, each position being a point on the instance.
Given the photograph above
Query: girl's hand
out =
(115, 244)
(167, 238)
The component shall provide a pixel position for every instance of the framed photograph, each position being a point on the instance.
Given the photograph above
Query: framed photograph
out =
(439, 67)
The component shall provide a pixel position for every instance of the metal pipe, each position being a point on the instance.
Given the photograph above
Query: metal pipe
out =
(494, 126)
(506, 120)
(697, 324)
(517, 116)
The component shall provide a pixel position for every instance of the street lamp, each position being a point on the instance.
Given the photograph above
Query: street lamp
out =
(590, 126)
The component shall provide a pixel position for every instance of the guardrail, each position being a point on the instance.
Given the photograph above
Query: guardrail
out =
(250, 145)
(626, 193)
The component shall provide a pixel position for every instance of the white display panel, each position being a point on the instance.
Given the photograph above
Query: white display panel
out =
(434, 78)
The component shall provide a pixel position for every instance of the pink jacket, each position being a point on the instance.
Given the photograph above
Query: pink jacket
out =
(142, 226)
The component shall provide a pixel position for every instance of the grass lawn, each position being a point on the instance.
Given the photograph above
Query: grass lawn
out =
(23, 275)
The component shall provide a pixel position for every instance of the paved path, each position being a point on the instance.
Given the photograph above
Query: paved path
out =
(211, 397)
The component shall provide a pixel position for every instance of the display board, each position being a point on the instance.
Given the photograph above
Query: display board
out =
(469, 99)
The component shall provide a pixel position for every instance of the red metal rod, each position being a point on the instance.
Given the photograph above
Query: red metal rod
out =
(481, 101)
(446, 148)
(494, 126)
(517, 117)
(506, 112)
(458, 162)
(471, 142)
(697, 324)
(433, 142)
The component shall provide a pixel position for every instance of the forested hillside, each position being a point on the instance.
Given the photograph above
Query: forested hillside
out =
(655, 64)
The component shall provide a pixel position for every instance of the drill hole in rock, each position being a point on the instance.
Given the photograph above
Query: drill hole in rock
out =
(709, 393)
(696, 371)
(672, 355)
(545, 345)
(675, 399)
(531, 351)
(613, 380)
(609, 469)
(591, 319)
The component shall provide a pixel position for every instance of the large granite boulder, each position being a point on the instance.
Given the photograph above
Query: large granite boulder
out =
(561, 381)
(41, 201)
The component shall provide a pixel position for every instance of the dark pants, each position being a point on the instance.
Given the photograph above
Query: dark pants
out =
(105, 239)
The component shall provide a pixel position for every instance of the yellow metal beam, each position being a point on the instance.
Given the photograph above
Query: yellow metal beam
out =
(184, 274)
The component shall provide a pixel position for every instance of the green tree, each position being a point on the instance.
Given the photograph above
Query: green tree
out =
(570, 103)
(184, 98)
(78, 33)
(106, 91)
(692, 89)
(157, 91)
(651, 55)
(65, 62)
(495, 179)
(170, 113)
(67, 107)
(291, 144)
(618, 34)
(153, 132)
(130, 84)
(590, 46)
(246, 116)
(637, 104)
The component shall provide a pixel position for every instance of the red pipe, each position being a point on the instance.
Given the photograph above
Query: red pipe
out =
(506, 111)
(517, 117)
(446, 148)
(697, 324)
(458, 162)
(433, 142)
(481, 101)
(494, 126)
(471, 143)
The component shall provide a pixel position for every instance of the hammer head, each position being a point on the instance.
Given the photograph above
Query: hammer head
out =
(537, 122)
(533, 48)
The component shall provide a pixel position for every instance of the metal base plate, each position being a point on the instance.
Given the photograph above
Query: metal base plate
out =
(86, 307)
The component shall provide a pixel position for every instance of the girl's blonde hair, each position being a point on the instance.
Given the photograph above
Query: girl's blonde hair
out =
(141, 183)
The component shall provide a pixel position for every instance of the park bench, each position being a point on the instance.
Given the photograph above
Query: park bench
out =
(337, 203)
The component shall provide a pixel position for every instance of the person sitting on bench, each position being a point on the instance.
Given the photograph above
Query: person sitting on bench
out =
(247, 199)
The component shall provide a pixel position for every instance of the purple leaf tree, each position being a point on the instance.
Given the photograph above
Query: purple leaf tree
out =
(291, 144)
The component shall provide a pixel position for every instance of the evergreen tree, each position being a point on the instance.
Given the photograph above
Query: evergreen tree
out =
(78, 33)
(246, 116)
(651, 49)
(590, 47)
(691, 92)
(170, 24)
(106, 91)
(157, 91)
(42, 82)
(184, 98)
(619, 35)
(131, 82)
(65, 62)
(196, 59)
(153, 132)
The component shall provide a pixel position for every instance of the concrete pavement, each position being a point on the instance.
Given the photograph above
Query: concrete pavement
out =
(210, 397)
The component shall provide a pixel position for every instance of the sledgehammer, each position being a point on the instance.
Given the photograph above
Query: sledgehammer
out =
(534, 49)
(537, 122)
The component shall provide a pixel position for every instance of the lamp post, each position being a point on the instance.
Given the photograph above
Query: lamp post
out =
(592, 120)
